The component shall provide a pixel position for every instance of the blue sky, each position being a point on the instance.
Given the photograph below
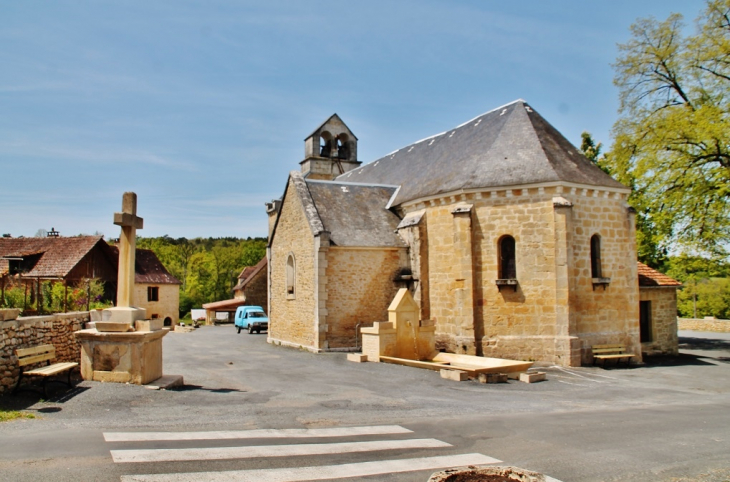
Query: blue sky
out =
(201, 107)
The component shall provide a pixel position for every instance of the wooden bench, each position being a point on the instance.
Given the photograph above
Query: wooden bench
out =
(39, 354)
(611, 352)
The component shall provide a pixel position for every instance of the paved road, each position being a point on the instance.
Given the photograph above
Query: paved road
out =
(666, 421)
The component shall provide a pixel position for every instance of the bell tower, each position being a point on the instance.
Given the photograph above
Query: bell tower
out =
(330, 150)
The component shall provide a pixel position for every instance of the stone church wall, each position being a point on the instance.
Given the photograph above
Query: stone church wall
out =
(360, 288)
(167, 306)
(554, 314)
(609, 313)
(663, 320)
(292, 319)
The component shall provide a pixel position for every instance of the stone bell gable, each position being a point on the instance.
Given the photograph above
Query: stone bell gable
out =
(330, 150)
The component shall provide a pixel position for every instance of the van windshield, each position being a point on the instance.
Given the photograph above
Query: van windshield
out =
(256, 314)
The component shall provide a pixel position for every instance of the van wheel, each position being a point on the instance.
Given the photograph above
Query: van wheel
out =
(250, 329)
(239, 329)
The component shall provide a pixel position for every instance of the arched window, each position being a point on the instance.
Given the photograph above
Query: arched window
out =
(325, 144)
(343, 148)
(507, 265)
(291, 276)
(596, 256)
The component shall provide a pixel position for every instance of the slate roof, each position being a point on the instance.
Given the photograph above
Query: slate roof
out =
(249, 272)
(355, 214)
(58, 255)
(509, 146)
(651, 277)
(147, 267)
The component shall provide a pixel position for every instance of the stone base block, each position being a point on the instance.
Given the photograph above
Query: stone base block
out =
(113, 377)
(532, 377)
(456, 375)
(131, 357)
(357, 357)
(148, 325)
(124, 314)
(165, 382)
(112, 326)
(514, 375)
(492, 378)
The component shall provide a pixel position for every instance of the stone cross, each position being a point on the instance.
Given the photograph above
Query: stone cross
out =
(130, 223)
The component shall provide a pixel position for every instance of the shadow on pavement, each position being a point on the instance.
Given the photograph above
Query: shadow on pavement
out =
(683, 359)
(188, 388)
(691, 343)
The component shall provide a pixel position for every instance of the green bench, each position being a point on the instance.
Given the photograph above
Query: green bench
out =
(40, 354)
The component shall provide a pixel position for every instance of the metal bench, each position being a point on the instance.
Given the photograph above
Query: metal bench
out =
(611, 352)
(39, 354)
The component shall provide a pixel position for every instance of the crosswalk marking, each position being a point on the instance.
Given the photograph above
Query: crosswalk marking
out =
(249, 434)
(325, 472)
(257, 451)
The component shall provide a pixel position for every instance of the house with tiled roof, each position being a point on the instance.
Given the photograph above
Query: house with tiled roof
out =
(155, 289)
(512, 243)
(72, 260)
(657, 311)
(252, 285)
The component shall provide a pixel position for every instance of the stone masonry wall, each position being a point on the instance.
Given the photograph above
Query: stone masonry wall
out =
(609, 313)
(704, 324)
(255, 291)
(292, 318)
(168, 304)
(360, 288)
(56, 330)
(663, 320)
(523, 324)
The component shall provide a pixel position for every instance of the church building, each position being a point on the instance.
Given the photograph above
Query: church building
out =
(512, 243)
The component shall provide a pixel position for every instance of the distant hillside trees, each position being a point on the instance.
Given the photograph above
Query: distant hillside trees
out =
(207, 267)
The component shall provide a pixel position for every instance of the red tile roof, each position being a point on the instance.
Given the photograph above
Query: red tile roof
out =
(58, 255)
(651, 277)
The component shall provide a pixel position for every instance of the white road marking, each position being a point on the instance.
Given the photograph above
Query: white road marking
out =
(248, 434)
(324, 472)
(257, 451)
(578, 375)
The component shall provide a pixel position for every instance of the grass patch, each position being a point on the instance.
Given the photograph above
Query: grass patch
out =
(7, 415)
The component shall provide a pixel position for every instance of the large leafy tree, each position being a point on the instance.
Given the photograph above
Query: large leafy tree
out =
(672, 141)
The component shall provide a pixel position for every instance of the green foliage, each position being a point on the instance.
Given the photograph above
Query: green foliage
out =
(207, 267)
(53, 293)
(14, 297)
(672, 141)
(7, 415)
(706, 290)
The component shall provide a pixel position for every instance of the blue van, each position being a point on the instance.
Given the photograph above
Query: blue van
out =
(251, 318)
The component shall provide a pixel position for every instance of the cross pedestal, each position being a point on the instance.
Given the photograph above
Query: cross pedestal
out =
(124, 347)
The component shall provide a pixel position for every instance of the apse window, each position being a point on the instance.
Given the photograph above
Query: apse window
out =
(596, 256)
(153, 293)
(507, 264)
(291, 276)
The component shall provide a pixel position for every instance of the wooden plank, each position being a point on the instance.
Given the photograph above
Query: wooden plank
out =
(622, 355)
(415, 363)
(51, 370)
(29, 360)
(34, 350)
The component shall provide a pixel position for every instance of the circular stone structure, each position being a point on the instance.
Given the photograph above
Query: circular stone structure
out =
(487, 474)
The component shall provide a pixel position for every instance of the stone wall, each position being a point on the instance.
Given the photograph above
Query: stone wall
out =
(56, 330)
(554, 314)
(255, 291)
(167, 305)
(360, 288)
(704, 324)
(663, 320)
(293, 318)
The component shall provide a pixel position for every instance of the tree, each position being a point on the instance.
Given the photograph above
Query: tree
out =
(672, 141)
